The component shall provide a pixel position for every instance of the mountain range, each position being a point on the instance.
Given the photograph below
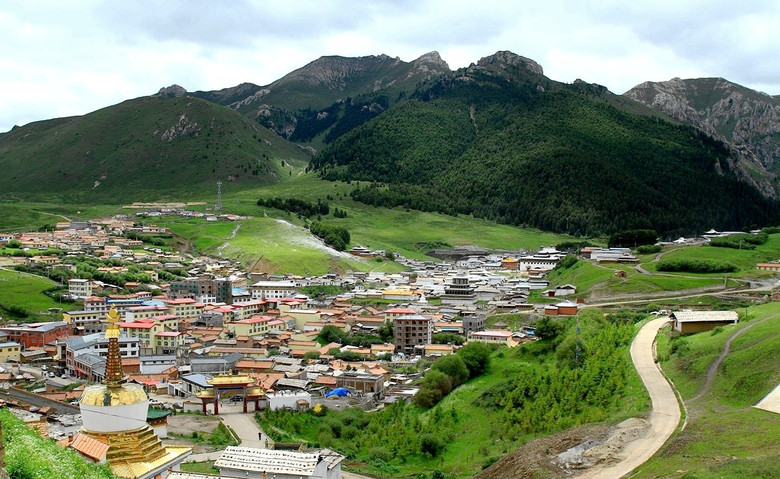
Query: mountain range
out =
(497, 139)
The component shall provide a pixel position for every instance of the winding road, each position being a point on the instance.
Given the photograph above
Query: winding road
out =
(666, 410)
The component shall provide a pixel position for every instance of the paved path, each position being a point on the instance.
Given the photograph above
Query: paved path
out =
(244, 424)
(666, 410)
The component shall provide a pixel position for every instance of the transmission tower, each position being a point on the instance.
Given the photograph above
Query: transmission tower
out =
(218, 206)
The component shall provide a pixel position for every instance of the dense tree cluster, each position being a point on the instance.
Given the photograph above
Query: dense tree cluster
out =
(294, 205)
(740, 241)
(586, 379)
(691, 265)
(632, 238)
(562, 159)
(336, 236)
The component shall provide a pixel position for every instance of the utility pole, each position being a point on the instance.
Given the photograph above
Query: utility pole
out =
(218, 206)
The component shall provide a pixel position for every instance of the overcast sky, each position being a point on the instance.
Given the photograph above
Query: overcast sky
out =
(61, 58)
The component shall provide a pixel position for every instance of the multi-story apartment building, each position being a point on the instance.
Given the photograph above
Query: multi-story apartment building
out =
(411, 333)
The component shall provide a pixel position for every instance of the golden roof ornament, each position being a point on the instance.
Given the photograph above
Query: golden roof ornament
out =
(114, 374)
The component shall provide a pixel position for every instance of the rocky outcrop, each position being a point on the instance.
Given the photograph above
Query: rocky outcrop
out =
(184, 127)
(509, 58)
(747, 120)
(173, 91)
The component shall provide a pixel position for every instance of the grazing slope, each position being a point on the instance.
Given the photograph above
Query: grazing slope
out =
(141, 148)
(748, 120)
(501, 141)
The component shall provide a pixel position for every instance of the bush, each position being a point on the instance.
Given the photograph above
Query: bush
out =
(454, 367)
(566, 262)
(740, 241)
(436, 379)
(696, 266)
(446, 338)
(649, 249)
(427, 397)
(476, 356)
(381, 453)
(431, 445)
(546, 328)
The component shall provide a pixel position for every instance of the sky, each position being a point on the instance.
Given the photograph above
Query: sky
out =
(62, 58)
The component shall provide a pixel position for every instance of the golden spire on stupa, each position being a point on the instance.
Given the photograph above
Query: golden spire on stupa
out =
(114, 375)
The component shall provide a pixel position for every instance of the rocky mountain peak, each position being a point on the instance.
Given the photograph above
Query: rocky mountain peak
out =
(172, 91)
(509, 58)
(743, 118)
(432, 58)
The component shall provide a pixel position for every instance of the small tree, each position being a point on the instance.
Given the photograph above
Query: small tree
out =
(454, 367)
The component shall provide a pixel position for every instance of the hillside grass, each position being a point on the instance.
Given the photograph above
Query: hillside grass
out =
(473, 431)
(725, 436)
(28, 455)
(596, 280)
(745, 260)
(26, 291)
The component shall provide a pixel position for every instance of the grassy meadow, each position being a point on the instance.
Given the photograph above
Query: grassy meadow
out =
(725, 436)
(26, 291)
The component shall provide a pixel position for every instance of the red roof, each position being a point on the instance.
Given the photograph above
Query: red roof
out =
(401, 311)
(168, 334)
(145, 323)
(254, 320)
(180, 301)
(88, 446)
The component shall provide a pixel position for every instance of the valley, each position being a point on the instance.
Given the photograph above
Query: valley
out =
(483, 203)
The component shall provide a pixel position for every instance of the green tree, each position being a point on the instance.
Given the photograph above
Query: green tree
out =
(454, 367)
(476, 356)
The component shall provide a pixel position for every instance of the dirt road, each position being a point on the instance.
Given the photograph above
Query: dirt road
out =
(666, 410)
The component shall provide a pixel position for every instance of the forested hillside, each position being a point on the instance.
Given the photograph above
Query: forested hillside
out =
(501, 141)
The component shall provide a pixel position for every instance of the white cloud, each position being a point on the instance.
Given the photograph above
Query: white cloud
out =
(67, 58)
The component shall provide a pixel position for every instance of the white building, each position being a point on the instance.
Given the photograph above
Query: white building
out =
(237, 461)
(273, 289)
(79, 288)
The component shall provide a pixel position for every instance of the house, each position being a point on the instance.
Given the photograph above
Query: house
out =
(10, 352)
(36, 334)
(412, 332)
(688, 322)
(239, 461)
(79, 288)
(494, 336)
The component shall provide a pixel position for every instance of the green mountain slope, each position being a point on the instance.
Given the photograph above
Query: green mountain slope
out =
(330, 95)
(748, 120)
(142, 148)
(501, 141)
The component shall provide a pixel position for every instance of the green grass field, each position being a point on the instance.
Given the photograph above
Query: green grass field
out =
(481, 433)
(596, 280)
(745, 260)
(26, 291)
(725, 436)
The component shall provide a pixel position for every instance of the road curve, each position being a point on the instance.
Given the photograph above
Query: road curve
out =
(666, 410)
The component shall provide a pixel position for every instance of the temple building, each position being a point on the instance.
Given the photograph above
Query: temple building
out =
(115, 413)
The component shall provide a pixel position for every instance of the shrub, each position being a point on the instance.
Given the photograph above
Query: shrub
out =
(381, 453)
(431, 445)
(546, 328)
(476, 356)
(740, 241)
(454, 367)
(649, 249)
(427, 397)
(688, 265)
